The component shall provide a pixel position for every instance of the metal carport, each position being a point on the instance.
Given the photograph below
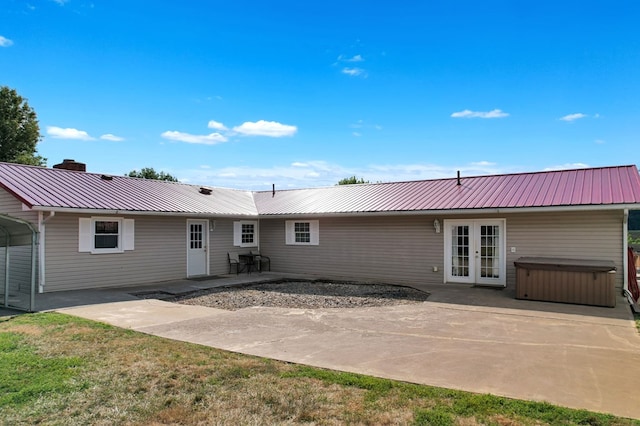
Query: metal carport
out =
(18, 244)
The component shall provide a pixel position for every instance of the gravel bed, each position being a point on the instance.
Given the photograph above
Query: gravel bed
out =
(304, 295)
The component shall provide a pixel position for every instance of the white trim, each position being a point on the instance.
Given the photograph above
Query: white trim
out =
(129, 237)
(474, 241)
(504, 210)
(42, 221)
(237, 233)
(625, 251)
(205, 243)
(314, 232)
(86, 234)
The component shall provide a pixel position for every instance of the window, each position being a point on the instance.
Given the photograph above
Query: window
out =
(302, 232)
(245, 233)
(248, 231)
(100, 235)
(299, 232)
(106, 234)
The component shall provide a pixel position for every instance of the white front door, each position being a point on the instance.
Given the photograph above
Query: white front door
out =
(475, 251)
(197, 246)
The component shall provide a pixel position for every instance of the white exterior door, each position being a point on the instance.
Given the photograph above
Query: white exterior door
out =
(197, 247)
(475, 251)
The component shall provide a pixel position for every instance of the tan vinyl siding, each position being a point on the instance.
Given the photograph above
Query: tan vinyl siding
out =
(9, 205)
(585, 235)
(405, 249)
(221, 242)
(160, 254)
(393, 249)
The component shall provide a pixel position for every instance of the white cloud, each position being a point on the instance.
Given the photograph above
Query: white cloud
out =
(310, 174)
(566, 166)
(61, 2)
(354, 72)
(111, 137)
(600, 141)
(496, 113)
(68, 133)
(5, 42)
(356, 58)
(210, 139)
(265, 128)
(356, 134)
(216, 125)
(573, 117)
(483, 163)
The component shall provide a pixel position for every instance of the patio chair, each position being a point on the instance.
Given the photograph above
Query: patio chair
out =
(234, 261)
(261, 260)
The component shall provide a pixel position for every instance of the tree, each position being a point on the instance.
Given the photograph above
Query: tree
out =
(150, 173)
(19, 130)
(352, 180)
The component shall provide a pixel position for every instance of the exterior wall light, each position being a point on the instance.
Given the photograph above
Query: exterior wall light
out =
(436, 226)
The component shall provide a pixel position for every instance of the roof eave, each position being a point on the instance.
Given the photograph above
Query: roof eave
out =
(499, 210)
(137, 212)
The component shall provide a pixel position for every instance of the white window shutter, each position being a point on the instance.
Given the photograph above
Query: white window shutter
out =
(84, 235)
(129, 235)
(256, 234)
(314, 228)
(289, 232)
(237, 233)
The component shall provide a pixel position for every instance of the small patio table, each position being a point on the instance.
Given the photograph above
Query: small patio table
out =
(250, 260)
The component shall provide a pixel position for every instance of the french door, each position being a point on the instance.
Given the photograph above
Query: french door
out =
(475, 251)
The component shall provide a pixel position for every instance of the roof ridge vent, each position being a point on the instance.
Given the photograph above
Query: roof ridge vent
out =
(106, 177)
(205, 191)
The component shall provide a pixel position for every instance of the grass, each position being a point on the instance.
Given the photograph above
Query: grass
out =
(58, 369)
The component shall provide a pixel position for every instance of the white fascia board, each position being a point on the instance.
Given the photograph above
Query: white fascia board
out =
(609, 207)
(138, 212)
(550, 209)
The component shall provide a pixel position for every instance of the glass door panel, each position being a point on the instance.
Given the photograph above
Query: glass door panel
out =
(460, 251)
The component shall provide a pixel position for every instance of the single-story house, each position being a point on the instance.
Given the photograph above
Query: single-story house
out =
(89, 230)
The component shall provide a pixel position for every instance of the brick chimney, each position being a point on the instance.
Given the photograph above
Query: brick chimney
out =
(71, 165)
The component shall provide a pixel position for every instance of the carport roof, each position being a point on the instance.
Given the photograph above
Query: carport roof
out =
(41, 188)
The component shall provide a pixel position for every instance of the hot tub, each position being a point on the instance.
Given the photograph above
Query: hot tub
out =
(581, 281)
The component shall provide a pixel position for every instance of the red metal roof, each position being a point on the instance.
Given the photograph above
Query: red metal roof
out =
(58, 188)
(565, 188)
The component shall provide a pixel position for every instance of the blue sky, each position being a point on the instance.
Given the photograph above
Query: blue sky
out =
(246, 94)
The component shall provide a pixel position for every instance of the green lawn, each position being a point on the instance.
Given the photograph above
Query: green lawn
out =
(58, 369)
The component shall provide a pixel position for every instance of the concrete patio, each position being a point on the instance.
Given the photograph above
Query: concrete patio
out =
(475, 339)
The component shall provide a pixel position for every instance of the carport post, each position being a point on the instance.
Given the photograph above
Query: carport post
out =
(32, 301)
(6, 269)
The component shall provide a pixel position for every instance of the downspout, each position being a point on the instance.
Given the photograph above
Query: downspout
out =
(41, 251)
(625, 254)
